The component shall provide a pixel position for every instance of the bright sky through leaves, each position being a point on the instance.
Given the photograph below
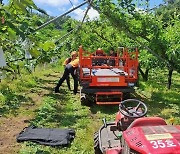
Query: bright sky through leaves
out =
(58, 7)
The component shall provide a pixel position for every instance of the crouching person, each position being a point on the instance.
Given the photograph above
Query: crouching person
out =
(70, 69)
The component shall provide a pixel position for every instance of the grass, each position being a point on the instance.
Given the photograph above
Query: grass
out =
(64, 110)
(160, 100)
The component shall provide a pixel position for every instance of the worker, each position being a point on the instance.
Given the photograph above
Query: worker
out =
(99, 52)
(112, 53)
(99, 61)
(70, 69)
(67, 61)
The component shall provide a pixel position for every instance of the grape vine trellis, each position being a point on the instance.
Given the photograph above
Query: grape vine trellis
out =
(27, 32)
(157, 32)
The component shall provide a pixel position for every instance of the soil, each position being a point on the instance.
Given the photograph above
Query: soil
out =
(9, 129)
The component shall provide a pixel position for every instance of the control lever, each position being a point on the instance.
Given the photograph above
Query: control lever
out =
(104, 122)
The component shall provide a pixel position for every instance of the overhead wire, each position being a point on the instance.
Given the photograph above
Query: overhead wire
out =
(78, 26)
(71, 3)
(89, 6)
(54, 19)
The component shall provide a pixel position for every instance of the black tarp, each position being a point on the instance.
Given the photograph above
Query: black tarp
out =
(47, 136)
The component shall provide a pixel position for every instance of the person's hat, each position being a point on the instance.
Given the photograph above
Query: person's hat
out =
(99, 51)
(74, 53)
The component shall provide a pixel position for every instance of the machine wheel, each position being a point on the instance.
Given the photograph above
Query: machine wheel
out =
(86, 100)
(96, 143)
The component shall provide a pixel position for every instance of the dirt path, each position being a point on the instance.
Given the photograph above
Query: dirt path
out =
(11, 126)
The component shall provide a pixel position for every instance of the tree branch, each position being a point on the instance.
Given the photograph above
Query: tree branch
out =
(120, 27)
(102, 37)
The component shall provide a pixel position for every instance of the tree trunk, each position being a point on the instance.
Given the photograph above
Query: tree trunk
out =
(144, 74)
(170, 78)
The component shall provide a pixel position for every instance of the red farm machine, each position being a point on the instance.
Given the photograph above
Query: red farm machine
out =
(133, 133)
(107, 79)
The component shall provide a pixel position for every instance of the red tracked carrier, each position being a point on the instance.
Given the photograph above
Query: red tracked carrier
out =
(105, 79)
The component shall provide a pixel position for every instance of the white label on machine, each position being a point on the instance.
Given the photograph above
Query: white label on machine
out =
(158, 136)
(107, 79)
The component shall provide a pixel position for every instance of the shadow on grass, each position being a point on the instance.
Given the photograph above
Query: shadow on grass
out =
(13, 102)
(53, 75)
(107, 109)
(165, 101)
(69, 120)
(163, 104)
(160, 80)
(41, 83)
(57, 96)
(47, 88)
(44, 81)
(57, 114)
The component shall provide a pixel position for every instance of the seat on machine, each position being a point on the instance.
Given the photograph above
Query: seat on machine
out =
(147, 121)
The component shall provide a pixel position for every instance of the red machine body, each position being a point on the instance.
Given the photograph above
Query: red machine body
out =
(149, 140)
(159, 139)
(137, 135)
(106, 76)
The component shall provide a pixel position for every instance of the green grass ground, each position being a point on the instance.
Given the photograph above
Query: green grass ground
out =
(32, 99)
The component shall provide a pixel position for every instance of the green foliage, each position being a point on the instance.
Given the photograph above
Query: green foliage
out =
(12, 93)
(173, 38)
(10, 101)
(46, 113)
(18, 36)
(168, 12)
(120, 24)
(2, 99)
(145, 28)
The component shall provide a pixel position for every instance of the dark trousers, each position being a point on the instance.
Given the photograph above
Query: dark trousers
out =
(69, 70)
(68, 82)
